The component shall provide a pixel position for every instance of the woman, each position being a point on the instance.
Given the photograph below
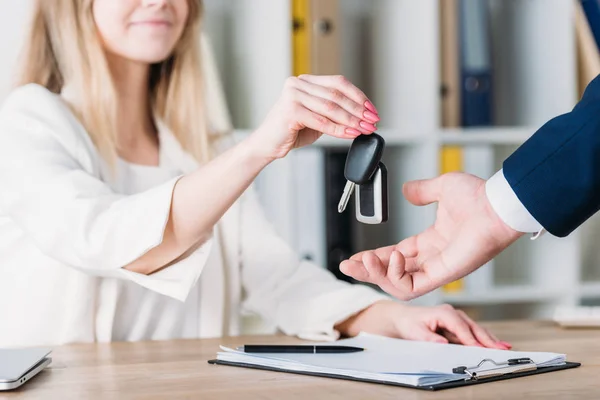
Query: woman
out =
(118, 220)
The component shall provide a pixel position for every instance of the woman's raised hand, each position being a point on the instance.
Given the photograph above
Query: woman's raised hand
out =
(310, 106)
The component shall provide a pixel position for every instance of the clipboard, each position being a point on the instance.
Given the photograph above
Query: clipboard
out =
(506, 370)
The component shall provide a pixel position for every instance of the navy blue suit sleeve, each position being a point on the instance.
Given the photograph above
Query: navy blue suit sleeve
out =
(556, 173)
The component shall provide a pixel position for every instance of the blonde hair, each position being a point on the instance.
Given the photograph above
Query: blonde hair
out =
(64, 47)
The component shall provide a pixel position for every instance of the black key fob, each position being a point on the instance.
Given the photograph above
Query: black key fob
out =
(364, 155)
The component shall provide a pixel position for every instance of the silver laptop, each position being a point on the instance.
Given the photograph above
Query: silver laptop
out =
(18, 366)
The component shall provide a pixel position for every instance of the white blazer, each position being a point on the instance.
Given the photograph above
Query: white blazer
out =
(66, 233)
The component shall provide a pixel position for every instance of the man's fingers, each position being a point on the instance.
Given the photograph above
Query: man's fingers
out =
(408, 247)
(422, 192)
(383, 253)
(402, 277)
(433, 268)
(390, 277)
(398, 282)
(355, 269)
(455, 260)
(375, 267)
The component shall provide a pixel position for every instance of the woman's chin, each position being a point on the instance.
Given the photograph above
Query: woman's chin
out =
(153, 57)
(146, 55)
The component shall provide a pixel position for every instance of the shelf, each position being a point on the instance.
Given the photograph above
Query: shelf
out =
(513, 294)
(494, 135)
(392, 138)
(402, 78)
(590, 290)
(454, 136)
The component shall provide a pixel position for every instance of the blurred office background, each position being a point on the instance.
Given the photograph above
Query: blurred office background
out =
(459, 85)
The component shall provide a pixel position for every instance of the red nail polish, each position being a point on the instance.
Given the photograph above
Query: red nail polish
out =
(353, 132)
(370, 107)
(368, 126)
(371, 117)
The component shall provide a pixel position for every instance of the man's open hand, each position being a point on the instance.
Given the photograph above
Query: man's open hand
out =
(467, 233)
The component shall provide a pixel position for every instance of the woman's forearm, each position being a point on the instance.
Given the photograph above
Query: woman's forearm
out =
(308, 107)
(199, 201)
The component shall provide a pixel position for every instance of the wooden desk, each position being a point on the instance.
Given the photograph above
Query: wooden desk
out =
(178, 369)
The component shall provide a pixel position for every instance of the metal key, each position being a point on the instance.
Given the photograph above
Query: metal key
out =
(361, 163)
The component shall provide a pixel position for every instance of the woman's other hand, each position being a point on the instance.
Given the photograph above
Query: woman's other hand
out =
(440, 324)
(310, 106)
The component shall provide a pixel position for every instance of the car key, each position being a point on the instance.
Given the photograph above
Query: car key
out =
(372, 198)
(361, 163)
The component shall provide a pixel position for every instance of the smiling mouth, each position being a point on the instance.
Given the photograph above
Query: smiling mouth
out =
(157, 23)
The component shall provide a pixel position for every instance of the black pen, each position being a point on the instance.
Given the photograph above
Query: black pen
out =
(298, 349)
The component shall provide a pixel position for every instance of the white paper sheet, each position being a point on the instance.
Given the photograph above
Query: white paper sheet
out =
(393, 360)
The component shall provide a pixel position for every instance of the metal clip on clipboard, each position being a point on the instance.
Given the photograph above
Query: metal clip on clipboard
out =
(511, 366)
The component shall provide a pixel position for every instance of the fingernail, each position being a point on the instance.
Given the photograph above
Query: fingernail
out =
(353, 132)
(370, 107)
(368, 126)
(506, 344)
(371, 117)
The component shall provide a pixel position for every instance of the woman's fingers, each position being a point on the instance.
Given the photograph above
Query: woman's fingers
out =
(460, 328)
(342, 84)
(366, 118)
(422, 333)
(482, 335)
(450, 320)
(308, 119)
(505, 344)
(334, 109)
(334, 112)
(307, 137)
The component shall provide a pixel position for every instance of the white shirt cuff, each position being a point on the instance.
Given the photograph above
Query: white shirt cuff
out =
(340, 306)
(178, 279)
(509, 208)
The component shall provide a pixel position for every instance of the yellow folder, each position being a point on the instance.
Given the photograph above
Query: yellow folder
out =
(451, 156)
(315, 37)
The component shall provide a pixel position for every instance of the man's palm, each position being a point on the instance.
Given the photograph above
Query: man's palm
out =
(466, 234)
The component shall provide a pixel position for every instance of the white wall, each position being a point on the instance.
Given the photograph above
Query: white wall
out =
(13, 25)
